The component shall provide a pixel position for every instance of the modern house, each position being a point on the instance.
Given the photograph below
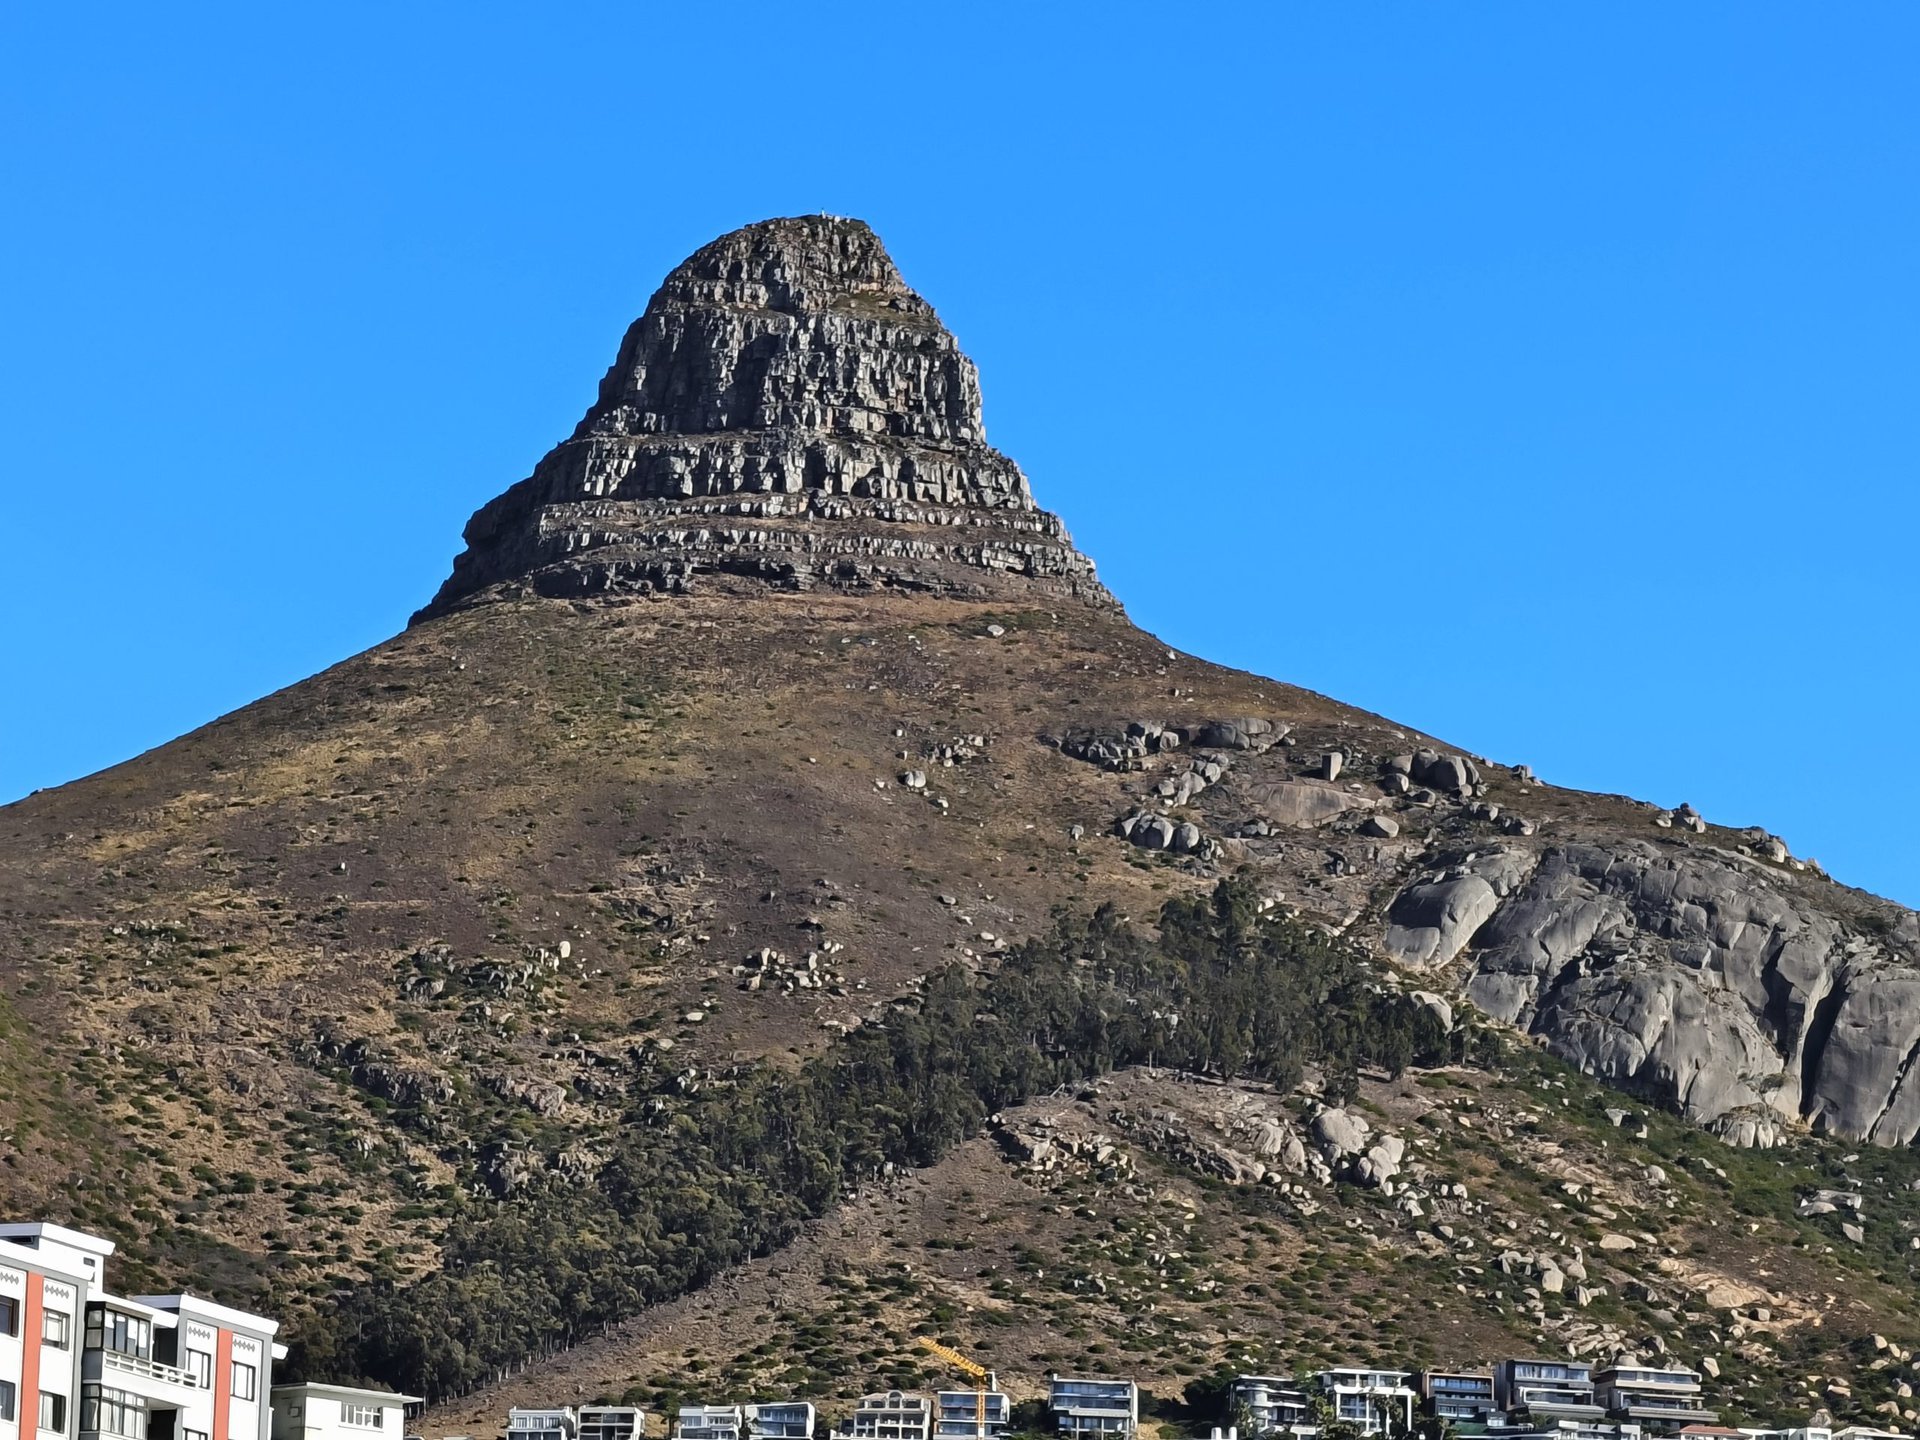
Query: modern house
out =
(338, 1412)
(1462, 1396)
(781, 1420)
(81, 1360)
(891, 1415)
(535, 1423)
(1665, 1397)
(1375, 1400)
(1275, 1404)
(1543, 1391)
(612, 1422)
(971, 1414)
(1093, 1407)
(1564, 1429)
(588, 1422)
(710, 1422)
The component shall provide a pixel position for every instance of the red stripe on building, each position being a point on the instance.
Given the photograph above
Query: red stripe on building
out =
(32, 1322)
(222, 1381)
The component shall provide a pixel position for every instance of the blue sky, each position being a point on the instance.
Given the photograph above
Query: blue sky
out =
(1543, 376)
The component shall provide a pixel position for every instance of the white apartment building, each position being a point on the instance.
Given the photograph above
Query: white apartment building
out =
(781, 1420)
(1275, 1404)
(1375, 1400)
(972, 1414)
(1545, 1391)
(710, 1422)
(42, 1313)
(339, 1412)
(612, 1422)
(1093, 1407)
(533, 1422)
(891, 1415)
(76, 1359)
(1668, 1396)
(564, 1422)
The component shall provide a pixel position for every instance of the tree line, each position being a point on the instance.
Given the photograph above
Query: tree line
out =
(697, 1183)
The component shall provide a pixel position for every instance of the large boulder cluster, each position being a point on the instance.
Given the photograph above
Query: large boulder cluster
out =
(1152, 831)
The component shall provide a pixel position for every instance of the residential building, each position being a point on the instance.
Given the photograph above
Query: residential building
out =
(1665, 1397)
(1376, 1400)
(82, 1360)
(1540, 1392)
(781, 1420)
(711, 1422)
(891, 1415)
(1093, 1407)
(612, 1422)
(1275, 1404)
(1501, 1429)
(557, 1422)
(972, 1414)
(1462, 1396)
(45, 1276)
(339, 1412)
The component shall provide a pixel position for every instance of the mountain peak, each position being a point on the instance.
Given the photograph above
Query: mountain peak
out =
(795, 264)
(787, 412)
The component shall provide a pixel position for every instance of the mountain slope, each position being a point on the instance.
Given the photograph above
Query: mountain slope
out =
(769, 697)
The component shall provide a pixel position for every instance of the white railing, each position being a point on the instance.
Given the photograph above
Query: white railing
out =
(146, 1369)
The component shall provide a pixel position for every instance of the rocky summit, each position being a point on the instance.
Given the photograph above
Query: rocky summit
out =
(773, 901)
(787, 412)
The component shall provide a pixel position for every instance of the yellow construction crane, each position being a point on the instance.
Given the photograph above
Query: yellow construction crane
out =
(983, 1379)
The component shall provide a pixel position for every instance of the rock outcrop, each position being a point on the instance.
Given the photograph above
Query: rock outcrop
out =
(787, 412)
(1688, 974)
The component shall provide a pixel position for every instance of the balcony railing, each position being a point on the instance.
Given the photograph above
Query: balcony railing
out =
(145, 1369)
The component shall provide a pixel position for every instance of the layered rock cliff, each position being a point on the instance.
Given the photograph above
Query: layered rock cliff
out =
(787, 412)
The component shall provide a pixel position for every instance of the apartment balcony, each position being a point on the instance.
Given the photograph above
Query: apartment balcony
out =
(163, 1387)
(1675, 1409)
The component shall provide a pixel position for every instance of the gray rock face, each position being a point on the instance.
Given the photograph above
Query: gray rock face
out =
(1694, 975)
(1305, 803)
(786, 412)
(1430, 924)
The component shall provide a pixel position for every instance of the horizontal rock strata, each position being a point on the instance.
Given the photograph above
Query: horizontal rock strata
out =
(787, 413)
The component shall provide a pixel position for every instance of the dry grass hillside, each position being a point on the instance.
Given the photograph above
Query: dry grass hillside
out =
(413, 942)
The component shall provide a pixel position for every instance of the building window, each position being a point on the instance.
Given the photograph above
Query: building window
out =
(9, 1397)
(193, 1435)
(123, 1334)
(243, 1380)
(9, 1315)
(112, 1412)
(199, 1368)
(56, 1328)
(53, 1412)
(363, 1417)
